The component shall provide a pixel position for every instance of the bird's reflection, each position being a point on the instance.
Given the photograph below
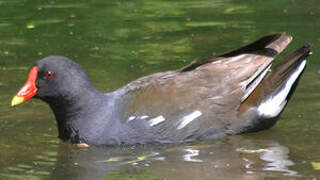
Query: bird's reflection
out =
(234, 157)
(277, 158)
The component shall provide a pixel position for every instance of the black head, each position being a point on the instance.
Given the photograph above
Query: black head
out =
(66, 88)
(59, 77)
(53, 78)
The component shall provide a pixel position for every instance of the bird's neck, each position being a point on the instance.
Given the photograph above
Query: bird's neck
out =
(75, 110)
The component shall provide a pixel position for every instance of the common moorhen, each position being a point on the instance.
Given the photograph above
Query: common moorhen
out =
(232, 93)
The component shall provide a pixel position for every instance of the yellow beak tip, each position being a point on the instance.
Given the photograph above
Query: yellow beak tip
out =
(16, 100)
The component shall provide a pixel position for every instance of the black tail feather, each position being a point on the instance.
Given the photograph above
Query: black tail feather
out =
(277, 79)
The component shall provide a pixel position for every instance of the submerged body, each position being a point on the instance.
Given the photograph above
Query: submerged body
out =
(233, 93)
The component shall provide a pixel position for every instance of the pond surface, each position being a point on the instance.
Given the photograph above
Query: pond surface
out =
(117, 41)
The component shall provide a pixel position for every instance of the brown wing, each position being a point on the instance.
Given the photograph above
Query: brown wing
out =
(209, 91)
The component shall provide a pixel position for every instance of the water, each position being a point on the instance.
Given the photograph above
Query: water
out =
(119, 41)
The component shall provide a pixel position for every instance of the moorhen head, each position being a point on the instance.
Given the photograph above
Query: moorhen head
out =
(232, 93)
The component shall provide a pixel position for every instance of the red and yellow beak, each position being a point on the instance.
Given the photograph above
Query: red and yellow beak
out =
(28, 90)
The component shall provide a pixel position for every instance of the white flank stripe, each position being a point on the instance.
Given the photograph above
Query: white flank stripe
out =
(188, 118)
(144, 117)
(156, 120)
(274, 105)
(131, 118)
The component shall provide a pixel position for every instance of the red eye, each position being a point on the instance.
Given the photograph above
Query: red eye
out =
(49, 75)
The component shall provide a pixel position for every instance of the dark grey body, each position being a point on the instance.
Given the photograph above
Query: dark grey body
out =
(220, 96)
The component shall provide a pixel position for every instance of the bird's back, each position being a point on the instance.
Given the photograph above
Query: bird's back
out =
(201, 100)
